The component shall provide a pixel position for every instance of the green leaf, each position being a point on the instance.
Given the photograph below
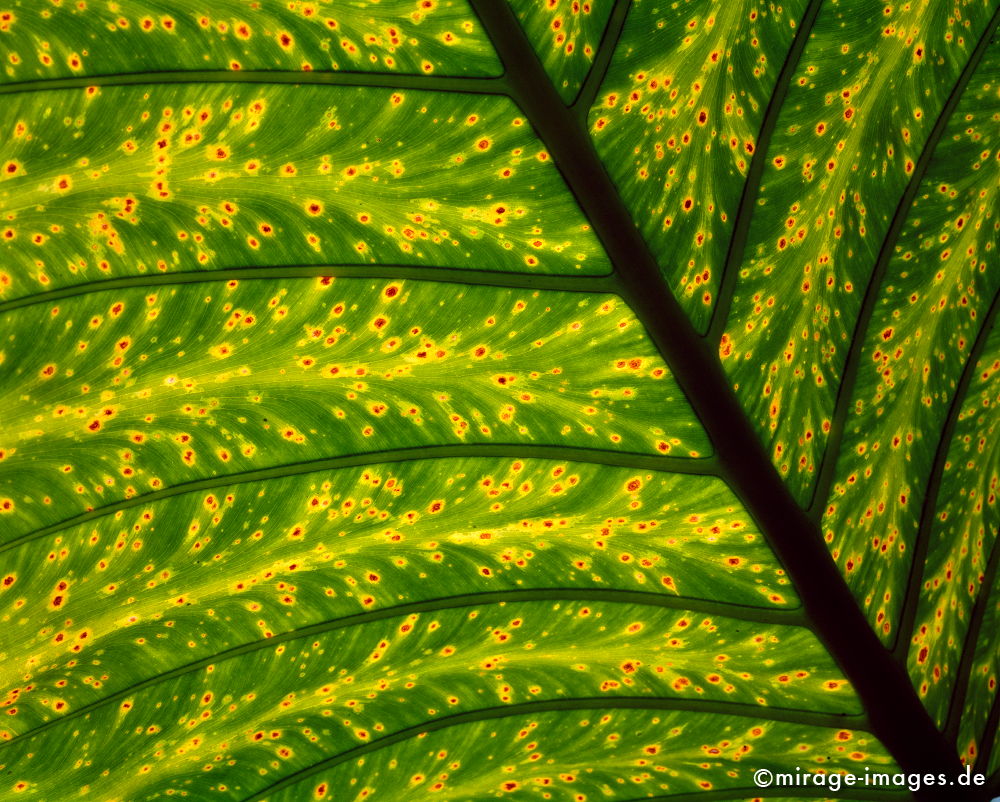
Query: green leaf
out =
(565, 35)
(869, 88)
(676, 124)
(960, 578)
(68, 40)
(498, 400)
(218, 174)
(919, 337)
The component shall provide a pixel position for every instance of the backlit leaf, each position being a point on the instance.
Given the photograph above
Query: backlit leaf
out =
(937, 290)
(676, 122)
(962, 536)
(186, 382)
(869, 87)
(57, 40)
(119, 181)
(480, 400)
(565, 35)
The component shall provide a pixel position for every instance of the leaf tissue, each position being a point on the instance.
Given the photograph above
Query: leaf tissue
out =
(498, 399)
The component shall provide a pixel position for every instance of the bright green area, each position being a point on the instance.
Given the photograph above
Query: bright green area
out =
(163, 583)
(934, 297)
(59, 39)
(565, 35)
(594, 753)
(519, 621)
(144, 388)
(676, 122)
(965, 527)
(869, 87)
(133, 180)
(264, 736)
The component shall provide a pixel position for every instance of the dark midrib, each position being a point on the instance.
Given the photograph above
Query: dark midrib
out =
(699, 467)
(963, 674)
(602, 60)
(532, 708)
(898, 718)
(492, 86)
(911, 603)
(758, 162)
(661, 600)
(845, 393)
(490, 278)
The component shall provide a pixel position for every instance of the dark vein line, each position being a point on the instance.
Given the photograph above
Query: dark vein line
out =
(963, 673)
(698, 467)
(758, 163)
(897, 716)
(911, 603)
(531, 708)
(489, 86)
(736, 611)
(602, 60)
(492, 278)
(987, 745)
(842, 407)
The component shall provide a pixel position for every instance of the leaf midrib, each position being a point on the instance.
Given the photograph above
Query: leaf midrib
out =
(899, 719)
(632, 287)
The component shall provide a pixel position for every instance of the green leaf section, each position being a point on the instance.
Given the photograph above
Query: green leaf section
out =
(144, 388)
(509, 652)
(964, 529)
(343, 707)
(565, 35)
(156, 585)
(676, 122)
(934, 297)
(870, 86)
(981, 694)
(588, 754)
(120, 181)
(69, 39)
(231, 566)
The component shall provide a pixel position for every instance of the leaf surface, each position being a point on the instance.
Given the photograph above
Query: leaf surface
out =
(188, 177)
(497, 400)
(565, 35)
(918, 340)
(846, 143)
(385, 36)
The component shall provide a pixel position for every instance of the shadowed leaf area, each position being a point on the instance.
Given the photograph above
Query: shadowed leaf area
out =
(499, 399)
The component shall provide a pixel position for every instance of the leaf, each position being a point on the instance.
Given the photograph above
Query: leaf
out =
(565, 35)
(413, 399)
(216, 172)
(381, 36)
(676, 128)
